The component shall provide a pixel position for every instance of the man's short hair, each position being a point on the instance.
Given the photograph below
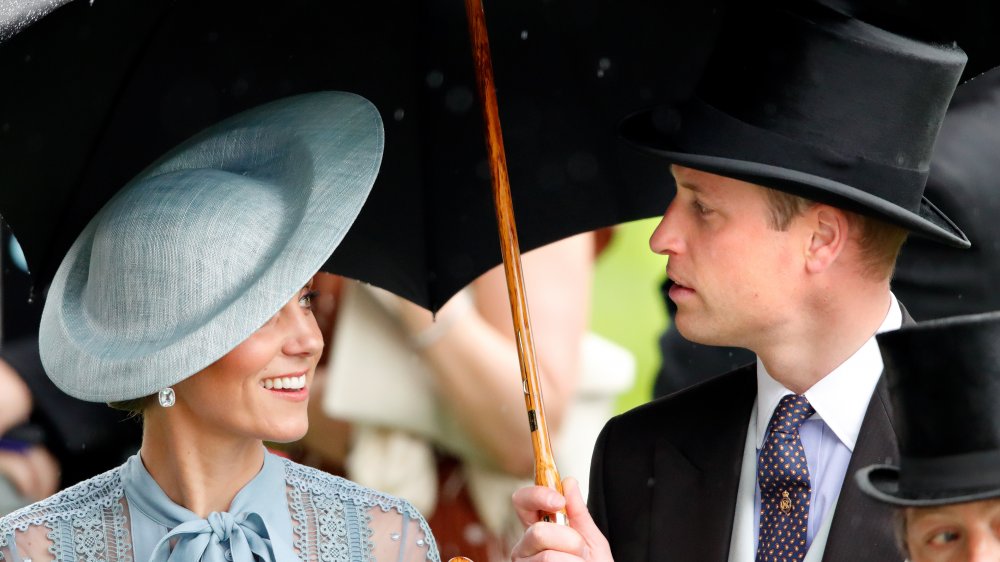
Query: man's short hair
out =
(880, 241)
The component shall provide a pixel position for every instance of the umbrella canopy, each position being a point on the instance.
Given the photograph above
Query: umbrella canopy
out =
(973, 24)
(95, 92)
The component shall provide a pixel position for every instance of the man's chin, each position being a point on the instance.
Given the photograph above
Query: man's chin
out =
(699, 332)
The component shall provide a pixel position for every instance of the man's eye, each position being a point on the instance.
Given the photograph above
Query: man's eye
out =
(944, 537)
(700, 209)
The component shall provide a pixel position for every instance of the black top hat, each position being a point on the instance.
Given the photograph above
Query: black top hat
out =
(944, 381)
(801, 98)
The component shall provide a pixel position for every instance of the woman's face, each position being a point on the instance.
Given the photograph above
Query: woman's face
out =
(260, 389)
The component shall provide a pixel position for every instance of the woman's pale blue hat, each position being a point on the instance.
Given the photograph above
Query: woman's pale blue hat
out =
(203, 247)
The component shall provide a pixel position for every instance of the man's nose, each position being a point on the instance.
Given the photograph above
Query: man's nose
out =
(984, 547)
(665, 239)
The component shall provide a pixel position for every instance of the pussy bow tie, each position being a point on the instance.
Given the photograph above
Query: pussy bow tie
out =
(222, 537)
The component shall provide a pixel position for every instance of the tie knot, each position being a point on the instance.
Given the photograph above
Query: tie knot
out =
(792, 410)
(222, 525)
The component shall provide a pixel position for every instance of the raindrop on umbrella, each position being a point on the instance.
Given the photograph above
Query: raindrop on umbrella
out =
(435, 78)
(603, 64)
(459, 99)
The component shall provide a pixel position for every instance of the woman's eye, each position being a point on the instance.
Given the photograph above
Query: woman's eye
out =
(306, 300)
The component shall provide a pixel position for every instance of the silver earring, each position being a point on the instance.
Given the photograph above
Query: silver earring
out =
(167, 397)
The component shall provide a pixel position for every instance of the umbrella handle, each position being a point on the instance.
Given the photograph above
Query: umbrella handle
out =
(546, 473)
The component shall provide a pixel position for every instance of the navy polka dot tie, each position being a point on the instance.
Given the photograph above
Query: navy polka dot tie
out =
(783, 477)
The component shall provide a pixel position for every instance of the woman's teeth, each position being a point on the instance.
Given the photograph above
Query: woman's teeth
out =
(285, 383)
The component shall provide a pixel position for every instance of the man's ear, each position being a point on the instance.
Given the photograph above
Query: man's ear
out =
(828, 237)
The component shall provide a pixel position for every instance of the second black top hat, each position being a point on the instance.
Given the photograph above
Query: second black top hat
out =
(944, 380)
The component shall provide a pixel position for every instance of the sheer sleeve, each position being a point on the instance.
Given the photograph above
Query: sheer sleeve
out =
(87, 521)
(30, 545)
(396, 537)
(336, 520)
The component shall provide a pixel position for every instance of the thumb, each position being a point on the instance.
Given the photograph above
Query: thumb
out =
(579, 516)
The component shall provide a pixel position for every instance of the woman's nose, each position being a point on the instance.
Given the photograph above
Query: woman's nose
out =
(305, 337)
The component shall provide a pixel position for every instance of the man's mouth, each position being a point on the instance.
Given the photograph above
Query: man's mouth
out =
(679, 291)
(678, 282)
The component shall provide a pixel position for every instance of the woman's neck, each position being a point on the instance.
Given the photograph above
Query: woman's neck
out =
(198, 469)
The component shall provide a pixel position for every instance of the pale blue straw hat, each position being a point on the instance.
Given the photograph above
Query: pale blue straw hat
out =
(207, 244)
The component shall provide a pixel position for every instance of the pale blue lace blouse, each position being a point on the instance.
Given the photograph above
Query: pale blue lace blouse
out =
(287, 513)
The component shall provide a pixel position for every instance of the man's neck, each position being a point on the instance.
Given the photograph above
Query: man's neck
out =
(825, 337)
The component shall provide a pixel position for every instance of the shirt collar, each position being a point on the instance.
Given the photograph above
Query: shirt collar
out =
(840, 398)
(259, 495)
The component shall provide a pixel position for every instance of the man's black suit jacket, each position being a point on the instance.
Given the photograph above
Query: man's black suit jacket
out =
(665, 475)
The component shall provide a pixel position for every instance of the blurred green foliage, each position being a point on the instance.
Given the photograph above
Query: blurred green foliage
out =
(627, 307)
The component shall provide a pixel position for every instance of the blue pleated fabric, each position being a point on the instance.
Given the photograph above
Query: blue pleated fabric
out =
(257, 526)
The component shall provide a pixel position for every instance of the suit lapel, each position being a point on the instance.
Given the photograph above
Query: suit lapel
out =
(696, 476)
(699, 468)
(862, 528)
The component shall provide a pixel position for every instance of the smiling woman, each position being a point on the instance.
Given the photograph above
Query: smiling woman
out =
(188, 300)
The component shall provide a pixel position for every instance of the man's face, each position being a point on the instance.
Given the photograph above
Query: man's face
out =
(966, 532)
(736, 277)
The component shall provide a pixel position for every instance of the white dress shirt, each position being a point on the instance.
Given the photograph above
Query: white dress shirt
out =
(841, 399)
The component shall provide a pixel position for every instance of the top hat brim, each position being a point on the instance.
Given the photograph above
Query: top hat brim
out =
(881, 482)
(641, 131)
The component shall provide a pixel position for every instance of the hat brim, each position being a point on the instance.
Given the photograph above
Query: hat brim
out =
(639, 130)
(344, 136)
(881, 482)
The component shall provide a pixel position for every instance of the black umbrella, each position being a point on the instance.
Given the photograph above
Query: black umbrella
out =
(94, 93)
(973, 24)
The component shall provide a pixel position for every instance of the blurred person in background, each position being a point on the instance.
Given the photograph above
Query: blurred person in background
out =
(48, 439)
(435, 406)
(28, 472)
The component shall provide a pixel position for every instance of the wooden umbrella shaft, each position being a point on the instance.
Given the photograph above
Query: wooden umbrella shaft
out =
(546, 473)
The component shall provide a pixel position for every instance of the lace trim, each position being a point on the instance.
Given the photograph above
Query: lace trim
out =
(368, 545)
(331, 519)
(86, 521)
(329, 498)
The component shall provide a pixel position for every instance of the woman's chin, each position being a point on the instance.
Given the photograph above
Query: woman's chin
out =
(286, 433)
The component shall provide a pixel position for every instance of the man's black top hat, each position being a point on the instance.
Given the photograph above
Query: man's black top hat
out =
(800, 98)
(944, 382)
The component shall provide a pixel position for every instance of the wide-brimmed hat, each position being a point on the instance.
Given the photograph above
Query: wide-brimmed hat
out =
(944, 382)
(803, 99)
(207, 244)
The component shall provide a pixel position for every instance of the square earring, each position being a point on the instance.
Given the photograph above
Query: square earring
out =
(167, 397)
